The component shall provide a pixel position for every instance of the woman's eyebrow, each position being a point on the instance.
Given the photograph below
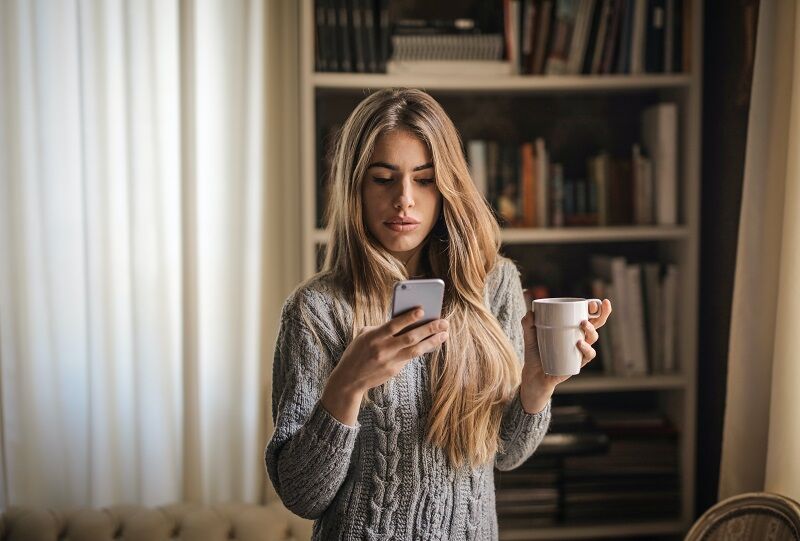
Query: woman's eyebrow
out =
(396, 168)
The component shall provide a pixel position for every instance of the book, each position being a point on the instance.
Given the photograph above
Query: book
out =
(669, 36)
(624, 56)
(542, 179)
(343, 31)
(357, 37)
(638, 33)
(334, 60)
(612, 37)
(542, 33)
(660, 136)
(383, 30)
(563, 27)
(487, 68)
(476, 156)
(653, 314)
(557, 214)
(613, 269)
(598, 168)
(321, 37)
(369, 35)
(528, 161)
(600, 37)
(635, 309)
(654, 54)
(669, 303)
(580, 37)
(604, 346)
(642, 187)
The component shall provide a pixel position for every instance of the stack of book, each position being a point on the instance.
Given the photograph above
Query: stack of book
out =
(558, 37)
(531, 495)
(640, 338)
(528, 495)
(351, 35)
(636, 479)
(528, 189)
(629, 472)
(440, 47)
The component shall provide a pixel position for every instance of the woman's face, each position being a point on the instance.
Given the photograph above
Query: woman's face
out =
(400, 197)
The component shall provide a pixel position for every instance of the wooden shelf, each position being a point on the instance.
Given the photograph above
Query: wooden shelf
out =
(590, 384)
(592, 234)
(576, 234)
(502, 83)
(615, 531)
(675, 393)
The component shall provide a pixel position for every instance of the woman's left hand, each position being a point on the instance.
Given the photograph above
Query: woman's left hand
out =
(537, 387)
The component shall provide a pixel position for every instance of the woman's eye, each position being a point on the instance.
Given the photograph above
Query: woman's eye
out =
(426, 181)
(380, 180)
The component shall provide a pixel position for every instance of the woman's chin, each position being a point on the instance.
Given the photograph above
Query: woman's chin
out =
(401, 245)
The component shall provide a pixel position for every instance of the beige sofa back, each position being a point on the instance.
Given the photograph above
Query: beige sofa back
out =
(183, 521)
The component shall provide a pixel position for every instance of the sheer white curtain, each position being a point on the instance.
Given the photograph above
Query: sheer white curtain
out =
(145, 149)
(761, 438)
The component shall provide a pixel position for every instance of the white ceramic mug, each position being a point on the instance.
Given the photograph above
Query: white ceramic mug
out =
(558, 330)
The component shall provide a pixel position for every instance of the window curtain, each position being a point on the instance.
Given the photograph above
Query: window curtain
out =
(148, 234)
(761, 434)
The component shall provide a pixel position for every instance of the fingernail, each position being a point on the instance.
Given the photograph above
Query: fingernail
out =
(419, 313)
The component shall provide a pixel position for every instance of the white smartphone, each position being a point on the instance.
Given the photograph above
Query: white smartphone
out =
(426, 292)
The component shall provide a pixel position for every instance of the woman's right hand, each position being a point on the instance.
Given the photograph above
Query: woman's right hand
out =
(378, 353)
(375, 355)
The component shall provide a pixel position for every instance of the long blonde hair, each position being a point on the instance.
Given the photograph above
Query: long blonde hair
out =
(475, 373)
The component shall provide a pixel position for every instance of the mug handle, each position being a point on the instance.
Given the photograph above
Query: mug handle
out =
(599, 307)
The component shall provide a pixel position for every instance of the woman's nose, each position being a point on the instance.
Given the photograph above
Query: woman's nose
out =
(404, 198)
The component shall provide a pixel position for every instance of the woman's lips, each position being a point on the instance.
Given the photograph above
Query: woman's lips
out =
(400, 227)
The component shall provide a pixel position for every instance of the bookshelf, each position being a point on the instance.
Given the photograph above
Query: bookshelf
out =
(327, 97)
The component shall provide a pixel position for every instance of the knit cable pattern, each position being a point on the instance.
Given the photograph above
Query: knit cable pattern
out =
(385, 479)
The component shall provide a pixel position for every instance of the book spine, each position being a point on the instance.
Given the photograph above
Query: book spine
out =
(333, 50)
(320, 26)
(343, 34)
(383, 11)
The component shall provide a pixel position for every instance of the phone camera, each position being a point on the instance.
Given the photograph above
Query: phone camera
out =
(402, 287)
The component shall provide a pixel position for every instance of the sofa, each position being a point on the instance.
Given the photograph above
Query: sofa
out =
(180, 521)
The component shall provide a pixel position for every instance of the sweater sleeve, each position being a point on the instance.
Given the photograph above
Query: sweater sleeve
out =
(308, 455)
(520, 432)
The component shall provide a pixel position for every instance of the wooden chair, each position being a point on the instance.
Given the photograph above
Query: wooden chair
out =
(764, 516)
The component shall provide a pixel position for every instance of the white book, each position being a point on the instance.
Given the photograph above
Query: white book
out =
(654, 312)
(542, 181)
(637, 324)
(613, 270)
(670, 304)
(476, 154)
(580, 37)
(660, 137)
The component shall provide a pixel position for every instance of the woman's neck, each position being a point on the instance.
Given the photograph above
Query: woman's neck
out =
(413, 261)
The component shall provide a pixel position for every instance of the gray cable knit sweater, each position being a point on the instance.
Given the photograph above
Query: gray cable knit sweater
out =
(380, 479)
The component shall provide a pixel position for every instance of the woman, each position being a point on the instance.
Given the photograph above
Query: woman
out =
(388, 435)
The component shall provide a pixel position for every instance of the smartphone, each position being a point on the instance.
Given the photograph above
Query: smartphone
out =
(426, 292)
